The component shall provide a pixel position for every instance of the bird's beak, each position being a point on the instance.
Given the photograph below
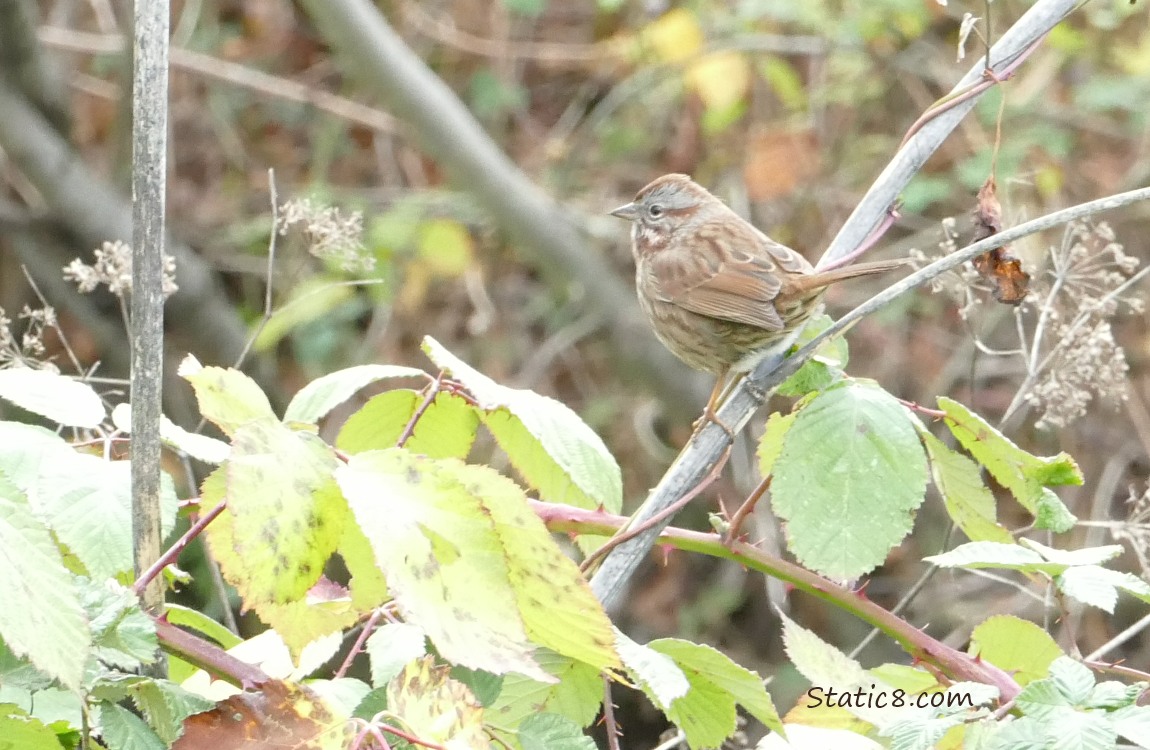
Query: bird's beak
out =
(628, 212)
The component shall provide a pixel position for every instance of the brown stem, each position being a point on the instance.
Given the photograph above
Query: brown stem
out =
(357, 647)
(609, 722)
(432, 392)
(745, 510)
(922, 647)
(208, 656)
(174, 551)
(626, 534)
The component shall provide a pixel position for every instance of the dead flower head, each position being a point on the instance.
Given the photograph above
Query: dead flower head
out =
(330, 234)
(113, 269)
(1085, 286)
(30, 350)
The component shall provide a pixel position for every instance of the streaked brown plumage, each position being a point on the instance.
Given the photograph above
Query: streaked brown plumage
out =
(719, 293)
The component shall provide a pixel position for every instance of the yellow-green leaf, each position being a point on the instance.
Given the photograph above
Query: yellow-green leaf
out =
(1016, 646)
(548, 444)
(470, 563)
(320, 396)
(311, 300)
(721, 79)
(1020, 472)
(445, 247)
(446, 429)
(716, 682)
(285, 514)
(436, 708)
(227, 397)
(673, 37)
(968, 501)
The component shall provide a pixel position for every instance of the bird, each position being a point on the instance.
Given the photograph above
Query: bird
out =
(718, 293)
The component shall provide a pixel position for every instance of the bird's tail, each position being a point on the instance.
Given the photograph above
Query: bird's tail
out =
(822, 279)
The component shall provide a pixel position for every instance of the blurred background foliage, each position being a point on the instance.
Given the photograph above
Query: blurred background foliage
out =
(788, 110)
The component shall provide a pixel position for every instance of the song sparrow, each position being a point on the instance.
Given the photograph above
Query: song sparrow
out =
(719, 293)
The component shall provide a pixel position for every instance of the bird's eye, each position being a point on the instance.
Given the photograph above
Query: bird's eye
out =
(655, 211)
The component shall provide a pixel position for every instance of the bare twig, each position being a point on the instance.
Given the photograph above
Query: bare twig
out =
(230, 73)
(269, 288)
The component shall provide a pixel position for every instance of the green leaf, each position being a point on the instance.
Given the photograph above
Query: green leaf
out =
(122, 635)
(824, 666)
(190, 618)
(372, 703)
(316, 399)
(311, 300)
(1069, 558)
(552, 732)
(656, 673)
(391, 647)
(18, 731)
(716, 682)
(41, 617)
(1077, 730)
(903, 676)
(485, 686)
(1042, 700)
(771, 443)
(87, 501)
(200, 447)
(378, 423)
(344, 694)
(445, 430)
(166, 706)
(1018, 647)
(286, 514)
(1023, 474)
(1099, 586)
(550, 446)
(227, 397)
(1112, 694)
(123, 730)
(919, 731)
(968, 501)
(1021, 733)
(53, 396)
(812, 376)
(1133, 723)
(17, 673)
(1053, 514)
(818, 661)
(1072, 678)
(27, 451)
(470, 563)
(824, 367)
(851, 473)
(993, 555)
(576, 693)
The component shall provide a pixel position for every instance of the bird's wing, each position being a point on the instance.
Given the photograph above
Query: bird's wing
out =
(739, 285)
